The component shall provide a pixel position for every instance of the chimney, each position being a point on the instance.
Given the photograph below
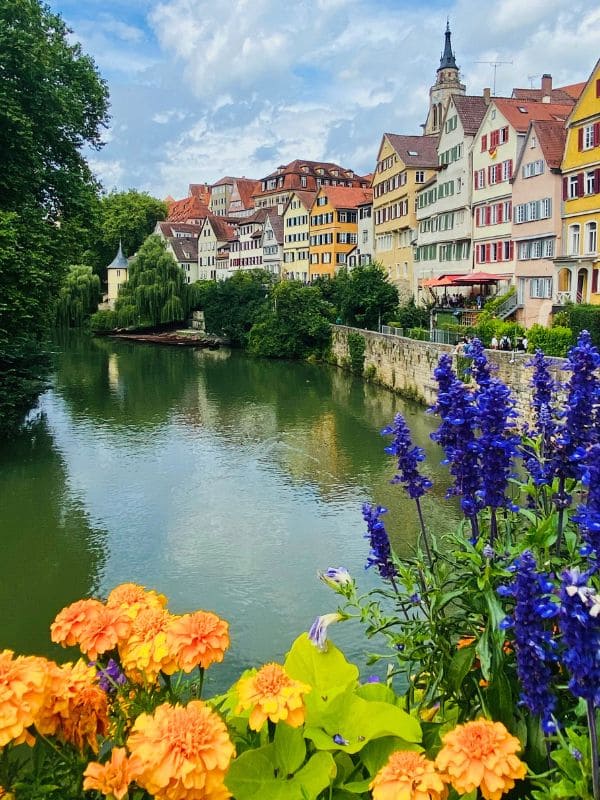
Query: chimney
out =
(487, 95)
(546, 88)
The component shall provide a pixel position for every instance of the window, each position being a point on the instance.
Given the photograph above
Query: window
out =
(340, 258)
(507, 170)
(321, 201)
(546, 208)
(590, 182)
(533, 168)
(419, 176)
(574, 235)
(591, 237)
(303, 181)
(588, 137)
(573, 187)
(540, 288)
(520, 213)
(118, 273)
(326, 258)
(548, 248)
(480, 179)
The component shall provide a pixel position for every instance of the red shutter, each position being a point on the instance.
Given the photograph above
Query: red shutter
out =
(500, 213)
(510, 169)
(596, 134)
(511, 250)
(490, 174)
(595, 281)
(488, 215)
(484, 142)
(565, 188)
(597, 180)
(597, 87)
(506, 134)
(476, 180)
(580, 178)
(488, 253)
(580, 139)
(500, 251)
(477, 218)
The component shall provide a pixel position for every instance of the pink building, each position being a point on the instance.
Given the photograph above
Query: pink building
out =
(536, 219)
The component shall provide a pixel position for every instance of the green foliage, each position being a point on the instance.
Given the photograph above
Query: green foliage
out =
(489, 326)
(297, 325)
(155, 292)
(356, 352)
(411, 316)
(364, 297)
(233, 306)
(560, 319)
(78, 297)
(104, 321)
(422, 334)
(126, 217)
(584, 318)
(551, 341)
(494, 303)
(52, 104)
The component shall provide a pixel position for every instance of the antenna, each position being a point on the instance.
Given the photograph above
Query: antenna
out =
(531, 78)
(495, 65)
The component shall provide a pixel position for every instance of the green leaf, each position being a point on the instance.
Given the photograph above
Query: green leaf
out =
(290, 749)
(251, 777)
(483, 653)
(376, 691)
(357, 787)
(460, 666)
(500, 701)
(375, 753)
(360, 721)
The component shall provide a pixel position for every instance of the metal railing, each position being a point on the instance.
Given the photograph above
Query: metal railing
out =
(389, 331)
(508, 306)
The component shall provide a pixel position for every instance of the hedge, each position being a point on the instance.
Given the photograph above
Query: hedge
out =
(585, 318)
(552, 341)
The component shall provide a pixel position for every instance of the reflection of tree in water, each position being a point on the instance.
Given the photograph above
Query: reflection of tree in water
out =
(122, 383)
(50, 554)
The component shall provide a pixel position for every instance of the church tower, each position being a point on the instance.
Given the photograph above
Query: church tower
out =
(447, 83)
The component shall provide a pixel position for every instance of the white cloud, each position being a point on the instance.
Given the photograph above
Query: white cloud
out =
(110, 173)
(163, 117)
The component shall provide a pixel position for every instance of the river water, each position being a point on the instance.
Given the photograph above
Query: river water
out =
(222, 481)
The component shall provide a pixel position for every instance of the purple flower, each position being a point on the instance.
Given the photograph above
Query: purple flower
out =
(588, 515)
(480, 366)
(336, 577)
(110, 676)
(580, 634)
(373, 679)
(534, 645)
(339, 739)
(542, 384)
(497, 446)
(318, 630)
(408, 457)
(380, 555)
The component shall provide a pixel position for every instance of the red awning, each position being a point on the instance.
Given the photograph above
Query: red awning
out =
(442, 280)
(479, 277)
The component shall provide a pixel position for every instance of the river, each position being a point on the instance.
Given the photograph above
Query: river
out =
(222, 481)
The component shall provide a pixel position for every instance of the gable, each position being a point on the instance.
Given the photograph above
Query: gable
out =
(588, 103)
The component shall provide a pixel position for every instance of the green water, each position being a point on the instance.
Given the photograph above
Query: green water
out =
(222, 481)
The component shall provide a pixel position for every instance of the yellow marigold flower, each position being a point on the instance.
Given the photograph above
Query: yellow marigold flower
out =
(481, 755)
(181, 753)
(146, 652)
(408, 776)
(112, 779)
(271, 694)
(198, 639)
(70, 622)
(22, 693)
(132, 597)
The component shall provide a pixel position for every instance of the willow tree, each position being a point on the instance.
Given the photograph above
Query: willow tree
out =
(78, 297)
(156, 291)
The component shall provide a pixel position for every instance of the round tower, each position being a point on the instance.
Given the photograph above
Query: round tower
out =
(447, 83)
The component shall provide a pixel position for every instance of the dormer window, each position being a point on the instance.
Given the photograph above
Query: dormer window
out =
(522, 109)
(304, 168)
(335, 172)
(320, 171)
(412, 153)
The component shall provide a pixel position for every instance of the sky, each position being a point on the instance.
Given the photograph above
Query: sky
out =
(205, 88)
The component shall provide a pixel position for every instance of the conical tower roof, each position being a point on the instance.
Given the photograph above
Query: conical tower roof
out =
(119, 261)
(447, 61)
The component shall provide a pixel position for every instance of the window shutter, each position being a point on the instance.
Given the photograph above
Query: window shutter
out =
(597, 87)
(510, 169)
(511, 249)
(565, 192)
(490, 173)
(488, 253)
(500, 213)
(484, 142)
(595, 281)
(580, 139)
(597, 180)
(506, 134)
(580, 184)
(500, 251)
(596, 134)
(476, 180)
(488, 215)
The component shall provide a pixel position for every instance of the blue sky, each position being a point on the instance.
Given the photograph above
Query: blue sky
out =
(204, 88)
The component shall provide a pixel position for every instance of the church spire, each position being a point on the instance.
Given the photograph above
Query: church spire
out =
(447, 61)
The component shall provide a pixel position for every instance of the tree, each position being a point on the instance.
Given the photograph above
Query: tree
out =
(126, 217)
(78, 297)
(52, 104)
(232, 307)
(297, 325)
(155, 292)
(364, 296)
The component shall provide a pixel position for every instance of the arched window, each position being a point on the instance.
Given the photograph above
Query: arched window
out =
(435, 122)
(574, 239)
(591, 237)
(440, 115)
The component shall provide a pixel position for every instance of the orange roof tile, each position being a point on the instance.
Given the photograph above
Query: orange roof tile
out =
(415, 151)
(188, 208)
(552, 136)
(346, 196)
(519, 113)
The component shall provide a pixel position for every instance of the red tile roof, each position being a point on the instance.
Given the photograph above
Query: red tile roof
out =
(223, 230)
(471, 110)
(188, 208)
(415, 151)
(227, 180)
(276, 221)
(169, 229)
(311, 171)
(307, 198)
(184, 249)
(551, 136)
(562, 95)
(519, 113)
(246, 187)
(201, 191)
(346, 196)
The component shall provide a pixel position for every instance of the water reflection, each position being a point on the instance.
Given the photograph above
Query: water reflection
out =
(223, 481)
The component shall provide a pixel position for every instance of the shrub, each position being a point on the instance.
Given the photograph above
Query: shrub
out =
(551, 341)
(411, 316)
(103, 321)
(356, 352)
(422, 334)
(493, 304)
(585, 318)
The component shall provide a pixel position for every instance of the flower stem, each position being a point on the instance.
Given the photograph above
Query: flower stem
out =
(493, 526)
(200, 681)
(561, 514)
(424, 533)
(591, 720)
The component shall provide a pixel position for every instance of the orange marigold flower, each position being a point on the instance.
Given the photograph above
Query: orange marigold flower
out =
(112, 778)
(408, 776)
(87, 719)
(104, 630)
(465, 641)
(481, 755)
(22, 693)
(132, 597)
(146, 652)
(181, 753)
(70, 622)
(198, 639)
(271, 694)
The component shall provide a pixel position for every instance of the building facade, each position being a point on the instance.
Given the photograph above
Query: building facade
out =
(213, 249)
(334, 228)
(272, 243)
(579, 263)
(446, 85)
(296, 215)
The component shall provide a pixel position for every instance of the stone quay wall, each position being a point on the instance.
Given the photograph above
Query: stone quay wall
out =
(406, 365)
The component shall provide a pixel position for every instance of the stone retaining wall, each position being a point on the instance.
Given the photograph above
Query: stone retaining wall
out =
(406, 365)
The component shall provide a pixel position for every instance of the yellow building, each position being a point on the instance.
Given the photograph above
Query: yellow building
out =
(116, 274)
(296, 236)
(579, 264)
(334, 228)
(404, 164)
